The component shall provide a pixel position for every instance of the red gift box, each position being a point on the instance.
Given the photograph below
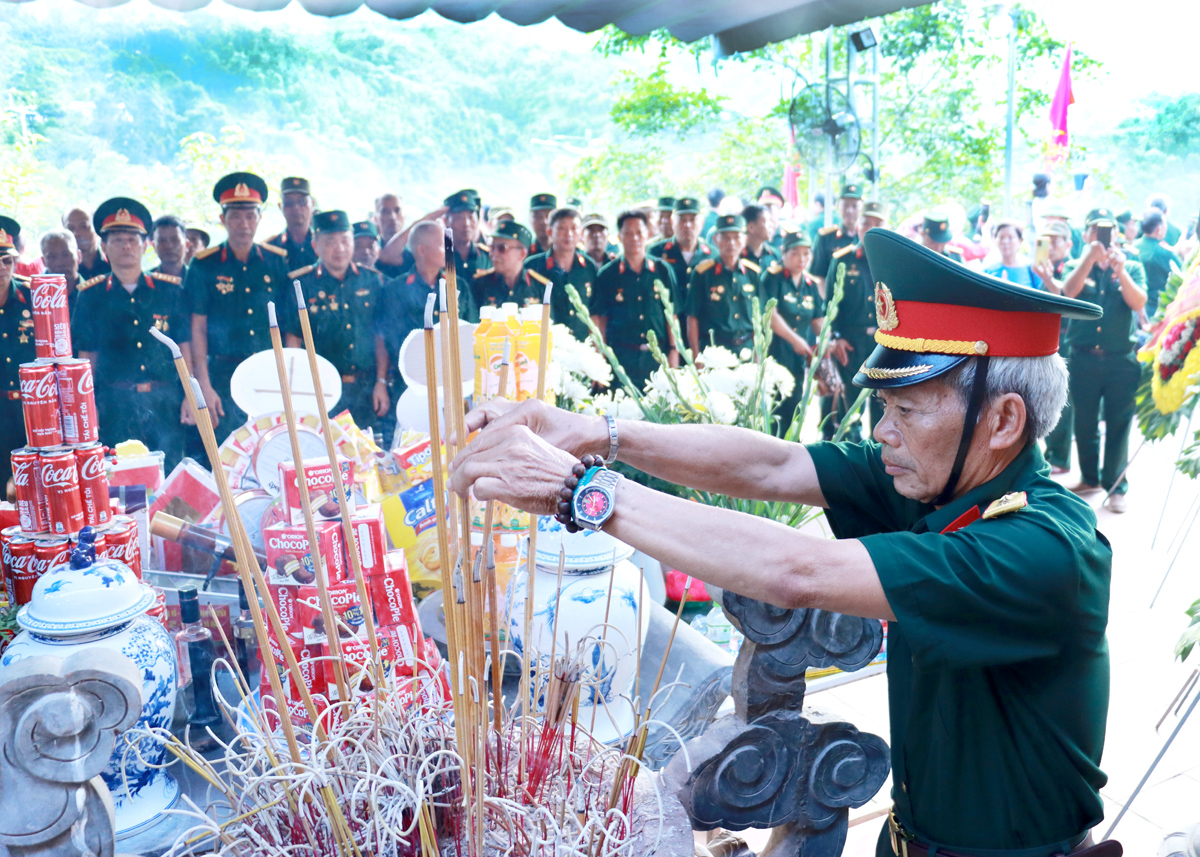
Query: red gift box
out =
(391, 596)
(321, 496)
(289, 556)
(348, 612)
(284, 598)
(367, 523)
(190, 494)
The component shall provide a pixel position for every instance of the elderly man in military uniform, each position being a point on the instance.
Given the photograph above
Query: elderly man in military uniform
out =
(721, 292)
(16, 344)
(61, 256)
(228, 287)
(540, 207)
(936, 234)
(508, 281)
(595, 239)
(770, 199)
(565, 264)
(462, 219)
(758, 247)
(799, 311)
(297, 204)
(168, 235)
(836, 236)
(992, 577)
(664, 211)
(197, 239)
(1104, 368)
(626, 302)
(342, 300)
(366, 243)
(137, 389)
(92, 262)
(685, 251)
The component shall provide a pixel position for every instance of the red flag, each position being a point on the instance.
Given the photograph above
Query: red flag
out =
(1063, 98)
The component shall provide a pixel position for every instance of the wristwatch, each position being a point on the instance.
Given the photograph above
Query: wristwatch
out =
(596, 498)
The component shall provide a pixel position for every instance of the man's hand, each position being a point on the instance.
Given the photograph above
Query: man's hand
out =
(216, 410)
(1096, 253)
(185, 414)
(1045, 272)
(841, 351)
(673, 358)
(575, 433)
(1116, 260)
(380, 400)
(802, 348)
(511, 464)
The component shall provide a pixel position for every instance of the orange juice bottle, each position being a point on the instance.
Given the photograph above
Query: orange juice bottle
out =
(479, 347)
(528, 350)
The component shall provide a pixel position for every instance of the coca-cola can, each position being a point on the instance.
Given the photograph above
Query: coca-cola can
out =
(158, 610)
(18, 553)
(123, 543)
(51, 318)
(39, 402)
(29, 500)
(47, 554)
(77, 401)
(59, 475)
(93, 485)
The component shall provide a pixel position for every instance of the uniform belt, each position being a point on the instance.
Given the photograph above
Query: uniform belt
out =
(137, 387)
(1098, 351)
(355, 377)
(631, 346)
(13, 395)
(905, 844)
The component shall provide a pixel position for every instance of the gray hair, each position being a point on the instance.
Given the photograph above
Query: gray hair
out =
(60, 235)
(418, 233)
(1041, 382)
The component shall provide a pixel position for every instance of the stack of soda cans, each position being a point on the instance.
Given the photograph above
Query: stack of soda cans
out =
(60, 476)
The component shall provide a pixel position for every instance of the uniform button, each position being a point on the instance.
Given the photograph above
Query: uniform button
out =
(735, 315)
(250, 312)
(143, 368)
(139, 345)
(247, 291)
(641, 317)
(347, 327)
(252, 333)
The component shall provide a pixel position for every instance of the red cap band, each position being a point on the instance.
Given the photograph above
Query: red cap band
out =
(121, 218)
(928, 327)
(240, 192)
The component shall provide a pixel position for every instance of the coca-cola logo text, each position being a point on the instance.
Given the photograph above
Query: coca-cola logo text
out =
(123, 550)
(40, 388)
(52, 295)
(17, 563)
(87, 381)
(39, 565)
(21, 473)
(60, 477)
(92, 467)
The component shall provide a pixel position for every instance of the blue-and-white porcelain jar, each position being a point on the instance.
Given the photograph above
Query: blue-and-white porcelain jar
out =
(88, 603)
(592, 560)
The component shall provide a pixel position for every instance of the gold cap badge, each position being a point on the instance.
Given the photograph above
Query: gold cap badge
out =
(885, 308)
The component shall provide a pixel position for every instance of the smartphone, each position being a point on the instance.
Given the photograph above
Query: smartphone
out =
(985, 211)
(1042, 254)
(1104, 235)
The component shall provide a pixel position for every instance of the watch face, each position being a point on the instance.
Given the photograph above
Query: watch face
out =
(594, 503)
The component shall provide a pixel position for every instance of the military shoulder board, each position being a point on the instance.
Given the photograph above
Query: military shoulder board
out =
(849, 248)
(746, 263)
(87, 284)
(705, 265)
(166, 278)
(278, 251)
(545, 281)
(207, 251)
(484, 272)
(300, 272)
(775, 268)
(827, 230)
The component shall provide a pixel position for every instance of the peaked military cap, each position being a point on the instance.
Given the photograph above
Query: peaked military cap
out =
(1056, 209)
(543, 202)
(1124, 217)
(325, 222)
(851, 191)
(573, 202)
(193, 228)
(498, 211)
(515, 231)
(796, 239)
(366, 227)
(463, 200)
(1056, 227)
(1099, 217)
(875, 209)
(687, 205)
(122, 214)
(240, 189)
(477, 196)
(769, 196)
(9, 230)
(666, 203)
(731, 223)
(597, 219)
(937, 225)
(294, 184)
(934, 313)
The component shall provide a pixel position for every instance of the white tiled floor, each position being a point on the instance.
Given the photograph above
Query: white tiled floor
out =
(1145, 674)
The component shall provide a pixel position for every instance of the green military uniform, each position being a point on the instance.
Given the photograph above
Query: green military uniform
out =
(670, 252)
(541, 202)
(1156, 258)
(997, 658)
(16, 347)
(765, 256)
(1058, 442)
(545, 269)
(1104, 369)
(631, 303)
(97, 266)
(722, 302)
(491, 289)
(299, 253)
(798, 303)
(855, 323)
(832, 238)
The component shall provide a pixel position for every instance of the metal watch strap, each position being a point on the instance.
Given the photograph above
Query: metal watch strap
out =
(612, 439)
(607, 480)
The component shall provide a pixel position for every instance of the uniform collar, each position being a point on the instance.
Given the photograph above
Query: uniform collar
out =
(143, 279)
(1029, 462)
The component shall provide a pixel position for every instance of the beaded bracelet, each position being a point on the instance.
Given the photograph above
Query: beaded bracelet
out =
(566, 509)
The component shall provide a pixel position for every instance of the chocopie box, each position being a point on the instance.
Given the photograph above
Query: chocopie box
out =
(322, 495)
(312, 669)
(395, 655)
(369, 538)
(289, 557)
(284, 599)
(391, 598)
(348, 612)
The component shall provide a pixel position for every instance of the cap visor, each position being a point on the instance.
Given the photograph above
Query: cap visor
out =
(887, 368)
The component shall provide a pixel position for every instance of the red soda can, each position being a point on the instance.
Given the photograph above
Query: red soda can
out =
(123, 543)
(77, 401)
(59, 476)
(47, 554)
(29, 502)
(39, 402)
(93, 485)
(18, 556)
(158, 610)
(51, 318)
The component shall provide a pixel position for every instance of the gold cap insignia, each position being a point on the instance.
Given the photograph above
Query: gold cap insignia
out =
(885, 308)
(242, 191)
(5, 239)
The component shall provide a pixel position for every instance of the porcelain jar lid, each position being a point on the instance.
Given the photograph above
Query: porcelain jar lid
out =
(586, 551)
(84, 595)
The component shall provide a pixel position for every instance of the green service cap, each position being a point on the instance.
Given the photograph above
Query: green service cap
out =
(294, 184)
(9, 230)
(796, 239)
(573, 202)
(122, 214)
(462, 200)
(687, 205)
(937, 225)
(543, 202)
(333, 220)
(666, 203)
(768, 195)
(366, 227)
(731, 223)
(512, 229)
(933, 314)
(595, 219)
(1124, 217)
(875, 209)
(851, 191)
(1099, 217)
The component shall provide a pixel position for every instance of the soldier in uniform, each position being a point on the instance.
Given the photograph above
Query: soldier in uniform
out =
(1104, 368)
(366, 243)
(721, 292)
(507, 281)
(61, 256)
(137, 389)
(1057, 212)
(16, 345)
(565, 263)
(169, 237)
(389, 217)
(595, 239)
(852, 330)
(799, 309)
(771, 201)
(197, 239)
(685, 251)
(992, 577)
(758, 247)
(540, 206)
(664, 210)
(626, 302)
(228, 287)
(836, 236)
(462, 218)
(936, 234)
(342, 299)
(296, 203)
(91, 258)
(1156, 257)
(1050, 273)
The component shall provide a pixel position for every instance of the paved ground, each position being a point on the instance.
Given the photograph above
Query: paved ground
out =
(1145, 674)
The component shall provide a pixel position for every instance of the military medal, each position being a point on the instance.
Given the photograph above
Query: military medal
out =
(224, 285)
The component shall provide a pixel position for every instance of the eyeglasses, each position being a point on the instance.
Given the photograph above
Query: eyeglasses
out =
(8, 261)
